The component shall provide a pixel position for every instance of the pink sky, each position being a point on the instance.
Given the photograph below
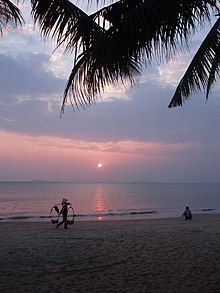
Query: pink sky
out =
(52, 158)
(133, 133)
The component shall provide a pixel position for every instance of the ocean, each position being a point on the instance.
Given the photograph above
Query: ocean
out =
(33, 201)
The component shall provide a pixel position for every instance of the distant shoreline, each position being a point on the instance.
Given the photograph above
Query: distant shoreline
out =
(100, 182)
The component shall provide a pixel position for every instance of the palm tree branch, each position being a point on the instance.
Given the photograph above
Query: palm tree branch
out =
(10, 15)
(215, 69)
(201, 73)
(88, 79)
(65, 22)
(138, 31)
(116, 54)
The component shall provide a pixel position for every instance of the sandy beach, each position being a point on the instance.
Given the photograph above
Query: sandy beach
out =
(162, 255)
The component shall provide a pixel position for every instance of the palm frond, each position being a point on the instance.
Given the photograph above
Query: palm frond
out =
(89, 78)
(112, 44)
(10, 15)
(65, 22)
(161, 23)
(202, 71)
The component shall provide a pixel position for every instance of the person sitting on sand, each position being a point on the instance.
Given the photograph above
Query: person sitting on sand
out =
(64, 212)
(187, 213)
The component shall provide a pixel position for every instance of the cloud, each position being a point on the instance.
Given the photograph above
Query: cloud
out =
(31, 96)
(132, 132)
(27, 75)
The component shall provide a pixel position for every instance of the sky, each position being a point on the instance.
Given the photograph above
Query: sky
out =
(132, 133)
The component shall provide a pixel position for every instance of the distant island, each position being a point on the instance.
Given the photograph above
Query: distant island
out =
(37, 180)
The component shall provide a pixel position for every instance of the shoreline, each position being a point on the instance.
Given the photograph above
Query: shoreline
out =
(96, 218)
(124, 256)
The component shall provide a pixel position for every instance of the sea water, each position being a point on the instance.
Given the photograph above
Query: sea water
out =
(32, 201)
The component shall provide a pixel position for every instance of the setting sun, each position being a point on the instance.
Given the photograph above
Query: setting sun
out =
(99, 165)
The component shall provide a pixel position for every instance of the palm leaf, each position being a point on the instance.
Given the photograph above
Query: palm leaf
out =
(115, 56)
(112, 44)
(201, 73)
(10, 15)
(65, 22)
(88, 79)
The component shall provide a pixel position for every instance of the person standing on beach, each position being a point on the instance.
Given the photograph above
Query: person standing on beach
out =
(187, 213)
(64, 212)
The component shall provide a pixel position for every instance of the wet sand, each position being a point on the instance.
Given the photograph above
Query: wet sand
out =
(127, 256)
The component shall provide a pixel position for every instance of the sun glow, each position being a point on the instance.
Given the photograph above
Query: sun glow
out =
(99, 165)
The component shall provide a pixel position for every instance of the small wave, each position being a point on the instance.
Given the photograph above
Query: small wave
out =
(95, 215)
(18, 218)
(46, 217)
(204, 210)
(143, 213)
(117, 214)
(23, 217)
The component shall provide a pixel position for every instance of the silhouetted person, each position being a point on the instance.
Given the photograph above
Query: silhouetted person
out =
(187, 214)
(64, 212)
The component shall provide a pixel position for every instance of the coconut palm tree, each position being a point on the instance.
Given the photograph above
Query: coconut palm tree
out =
(203, 69)
(10, 15)
(113, 44)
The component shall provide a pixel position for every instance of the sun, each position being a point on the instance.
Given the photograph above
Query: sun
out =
(99, 165)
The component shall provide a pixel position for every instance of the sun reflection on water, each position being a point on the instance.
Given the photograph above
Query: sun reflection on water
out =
(99, 201)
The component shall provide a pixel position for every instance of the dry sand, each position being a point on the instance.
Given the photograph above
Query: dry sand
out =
(163, 255)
